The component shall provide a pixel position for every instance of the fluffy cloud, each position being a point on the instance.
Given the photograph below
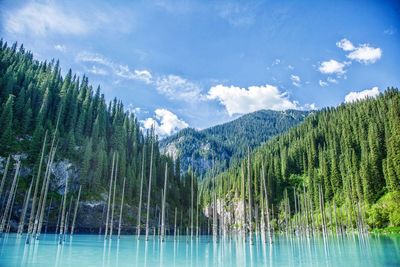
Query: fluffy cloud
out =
(332, 67)
(345, 44)
(123, 71)
(354, 96)
(175, 87)
(365, 54)
(165, 123)
(296, 81)
(40, 19)
(322, 83)
(241, 100)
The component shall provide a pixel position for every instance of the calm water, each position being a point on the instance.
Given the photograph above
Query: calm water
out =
(92, 250)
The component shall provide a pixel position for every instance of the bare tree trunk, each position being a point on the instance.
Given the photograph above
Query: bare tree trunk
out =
(164, 204)
(76, 211)
(10, 198)
(149, 191)
(262, 219)
(109, 196)
(244, 205)
(34, 198)
(122, 206)
(14, 193)
(113, 201)
(140, 197)
(44, 200)
(59, 214)
(24, 209)
(250, 200)
(176, 211)
(63, 211)
(267, 206)
(3, 180)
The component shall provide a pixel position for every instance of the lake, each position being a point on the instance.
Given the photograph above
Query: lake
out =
(93, 250)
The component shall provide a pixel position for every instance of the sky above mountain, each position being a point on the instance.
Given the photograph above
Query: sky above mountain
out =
(187, 63)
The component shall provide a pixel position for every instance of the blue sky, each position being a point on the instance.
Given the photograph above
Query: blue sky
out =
(201, 63)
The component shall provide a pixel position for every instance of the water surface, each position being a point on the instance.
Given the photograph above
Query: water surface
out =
(92, 250)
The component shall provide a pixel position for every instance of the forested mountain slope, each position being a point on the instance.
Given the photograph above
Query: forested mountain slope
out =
(228, 142)
(351, 152)
(33, 95)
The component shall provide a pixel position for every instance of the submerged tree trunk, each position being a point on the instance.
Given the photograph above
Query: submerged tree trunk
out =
(3, 180)
(113, 200)
(149, 191)
(164, 204)
(140, 196)
(10, 198)
(122, 206)
(76, 211)
(24, 209)
(109, 196)
(34, 198)
(63, 211)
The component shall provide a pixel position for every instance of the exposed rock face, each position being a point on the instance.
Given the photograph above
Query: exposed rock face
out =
(62, 170)
(231, 214)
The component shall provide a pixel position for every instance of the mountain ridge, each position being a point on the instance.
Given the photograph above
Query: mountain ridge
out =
(227, 142)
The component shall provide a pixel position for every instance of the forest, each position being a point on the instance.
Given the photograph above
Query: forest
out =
(340, 166)
(36, 102)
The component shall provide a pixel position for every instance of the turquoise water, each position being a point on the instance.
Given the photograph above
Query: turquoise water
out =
(92, 250)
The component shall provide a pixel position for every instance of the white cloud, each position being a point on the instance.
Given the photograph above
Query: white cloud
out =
(296, 81)
(332, 67)
(332, 80)
(119, 70)
(365, 54)
(40, 19)
(176, 87)
(165, 123)
(93, 58)
(290, 67)
(60, 47)
(97, 71)
(241, 100)
(354, 96)
(123, 71)
(345, 44)
(322, 83)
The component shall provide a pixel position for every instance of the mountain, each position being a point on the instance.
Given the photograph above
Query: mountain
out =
(35, 97)
(345, 160)
(228, 142)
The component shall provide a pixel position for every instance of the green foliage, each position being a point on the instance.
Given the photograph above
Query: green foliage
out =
(33, 95)
(228, 142)
(386, 211)
(351, 151)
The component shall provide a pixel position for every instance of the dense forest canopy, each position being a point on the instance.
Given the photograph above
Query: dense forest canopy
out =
(352, 152)
(34, 95)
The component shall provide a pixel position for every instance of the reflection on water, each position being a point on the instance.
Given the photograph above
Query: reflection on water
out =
(91, 250)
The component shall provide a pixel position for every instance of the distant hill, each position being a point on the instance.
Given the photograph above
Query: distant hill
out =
(228, 142)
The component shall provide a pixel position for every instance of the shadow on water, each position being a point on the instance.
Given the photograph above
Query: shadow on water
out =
(204, 251)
